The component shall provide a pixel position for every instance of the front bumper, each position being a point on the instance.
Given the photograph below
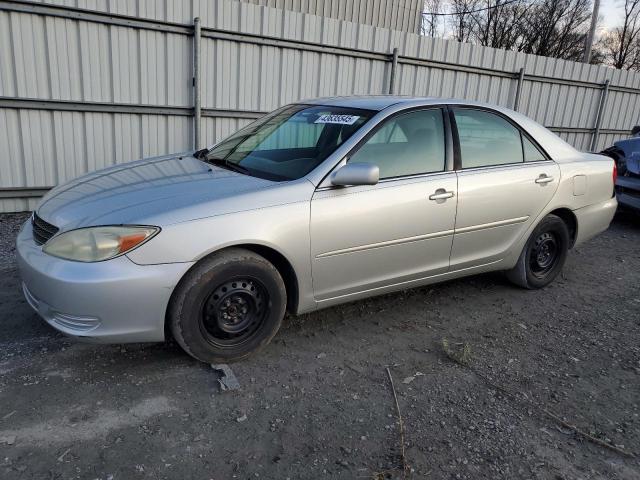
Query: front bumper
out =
(628, 191)
(115, 301)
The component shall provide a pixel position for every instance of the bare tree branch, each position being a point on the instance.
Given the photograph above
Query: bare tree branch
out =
(620, 47)
(431, 19)
(554, 28)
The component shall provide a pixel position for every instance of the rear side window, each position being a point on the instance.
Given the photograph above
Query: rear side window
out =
(487, 139)
(409, 144)
(531, 152)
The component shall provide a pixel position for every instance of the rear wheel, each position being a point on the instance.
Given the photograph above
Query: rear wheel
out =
(228, 306)
(543, 256)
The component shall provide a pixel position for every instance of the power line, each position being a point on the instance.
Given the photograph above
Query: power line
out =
(439, 14)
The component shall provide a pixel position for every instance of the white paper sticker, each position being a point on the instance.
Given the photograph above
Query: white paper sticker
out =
(338, 119)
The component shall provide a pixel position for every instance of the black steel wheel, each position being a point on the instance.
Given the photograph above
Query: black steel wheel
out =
(228, 306)
(543, 255)
(234, 311)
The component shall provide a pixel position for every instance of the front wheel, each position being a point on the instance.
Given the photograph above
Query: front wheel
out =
(543, 256)
(228, 306)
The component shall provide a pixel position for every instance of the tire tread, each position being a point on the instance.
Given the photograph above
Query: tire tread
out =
(191, 279)
(519, 273)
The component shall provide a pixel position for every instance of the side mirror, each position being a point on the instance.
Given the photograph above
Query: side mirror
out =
(356, 174)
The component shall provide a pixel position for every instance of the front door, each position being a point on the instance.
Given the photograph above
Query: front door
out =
(369, 237)
(504, 183)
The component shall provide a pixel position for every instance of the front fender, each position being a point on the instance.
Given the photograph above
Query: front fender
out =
(283, 228)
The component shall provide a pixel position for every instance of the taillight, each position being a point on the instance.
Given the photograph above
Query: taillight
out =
(615, 172)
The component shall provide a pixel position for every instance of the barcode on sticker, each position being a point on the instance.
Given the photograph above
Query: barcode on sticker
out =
(339, 119)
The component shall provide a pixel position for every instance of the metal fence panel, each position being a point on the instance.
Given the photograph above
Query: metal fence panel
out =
(404, 15)
(86, 84)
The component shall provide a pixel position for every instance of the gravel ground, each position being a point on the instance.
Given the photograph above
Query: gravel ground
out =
(317, 403)
(9, 225)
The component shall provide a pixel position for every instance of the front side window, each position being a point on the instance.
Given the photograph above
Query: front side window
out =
(487, 139)
(290, 142)
(409, 144)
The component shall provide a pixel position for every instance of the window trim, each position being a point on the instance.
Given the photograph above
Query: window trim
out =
(523, 134)
(448, 143)
(504, 166)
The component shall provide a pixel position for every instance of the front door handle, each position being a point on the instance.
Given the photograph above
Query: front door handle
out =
(544, 178)
(440, 194)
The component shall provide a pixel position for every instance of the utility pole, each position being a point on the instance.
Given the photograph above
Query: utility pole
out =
(592, 31)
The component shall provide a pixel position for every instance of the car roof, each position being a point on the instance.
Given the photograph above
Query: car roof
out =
(368, 102)
(556, 147)
(380, 102)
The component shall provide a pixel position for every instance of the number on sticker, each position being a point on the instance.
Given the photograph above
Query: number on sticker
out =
(338, 119)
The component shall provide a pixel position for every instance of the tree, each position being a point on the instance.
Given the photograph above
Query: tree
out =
(499, 23)
(621, 46)
(431, 20)
(554, 28)
(461, 19)
(557, 28)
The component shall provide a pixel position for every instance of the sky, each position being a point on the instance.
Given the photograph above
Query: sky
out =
(611, 13)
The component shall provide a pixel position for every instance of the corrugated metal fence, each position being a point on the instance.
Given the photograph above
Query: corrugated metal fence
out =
(94, 83)
(403, 15)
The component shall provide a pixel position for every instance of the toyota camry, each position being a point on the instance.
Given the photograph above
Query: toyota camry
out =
(318, 203)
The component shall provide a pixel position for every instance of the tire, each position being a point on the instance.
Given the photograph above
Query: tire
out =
(227, 307)
(543, 256)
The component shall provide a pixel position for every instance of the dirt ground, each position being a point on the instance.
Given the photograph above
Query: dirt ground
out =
(317, 403)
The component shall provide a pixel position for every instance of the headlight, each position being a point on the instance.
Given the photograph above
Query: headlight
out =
(95, 244)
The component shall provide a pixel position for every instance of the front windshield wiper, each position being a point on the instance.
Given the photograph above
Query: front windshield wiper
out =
(224, 163)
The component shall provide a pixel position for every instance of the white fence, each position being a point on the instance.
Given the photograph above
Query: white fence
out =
(94, 83)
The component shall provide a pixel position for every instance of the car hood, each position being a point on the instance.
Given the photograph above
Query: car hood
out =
(156, 191)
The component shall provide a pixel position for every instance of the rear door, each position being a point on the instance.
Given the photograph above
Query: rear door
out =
(504, 182)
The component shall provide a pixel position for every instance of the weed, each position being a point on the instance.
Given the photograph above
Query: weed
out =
(458, 352)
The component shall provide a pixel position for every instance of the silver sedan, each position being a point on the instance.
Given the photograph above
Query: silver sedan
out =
(317, 203)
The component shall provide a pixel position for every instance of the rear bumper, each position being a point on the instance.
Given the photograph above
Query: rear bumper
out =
(116, 301)
(594, 219)
(628, 192)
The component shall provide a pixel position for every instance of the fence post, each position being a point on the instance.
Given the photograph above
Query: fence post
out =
(601, 106)
(516, 101)
(394, 68)
(197, 112)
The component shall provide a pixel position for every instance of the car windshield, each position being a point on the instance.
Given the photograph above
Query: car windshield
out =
(288, 143)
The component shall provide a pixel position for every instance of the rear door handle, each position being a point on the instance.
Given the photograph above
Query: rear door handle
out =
(544, 178)
(440, 194)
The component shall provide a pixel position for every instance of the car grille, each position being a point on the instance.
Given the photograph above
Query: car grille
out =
(42, 231)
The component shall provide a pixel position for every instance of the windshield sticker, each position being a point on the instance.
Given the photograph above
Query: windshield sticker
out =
(339, 119)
